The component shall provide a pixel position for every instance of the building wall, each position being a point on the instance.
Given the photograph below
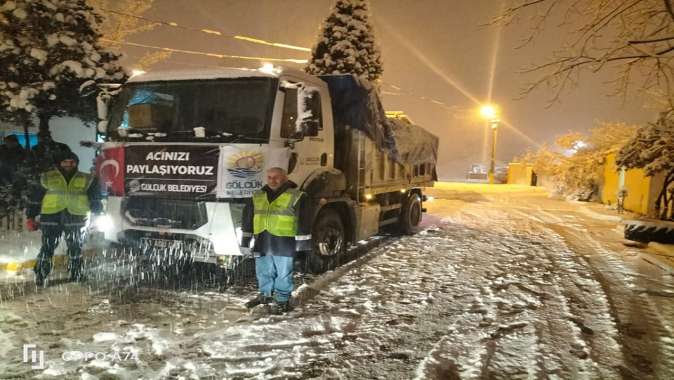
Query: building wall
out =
(640, 188)
(519, 174)
(611, 181)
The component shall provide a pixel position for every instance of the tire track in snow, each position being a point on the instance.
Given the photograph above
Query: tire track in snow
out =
(540, 273)
(645, 334)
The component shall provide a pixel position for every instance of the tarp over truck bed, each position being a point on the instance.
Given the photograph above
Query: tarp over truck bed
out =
(355, 104)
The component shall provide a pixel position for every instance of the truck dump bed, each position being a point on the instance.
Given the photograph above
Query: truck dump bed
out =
(377, 154)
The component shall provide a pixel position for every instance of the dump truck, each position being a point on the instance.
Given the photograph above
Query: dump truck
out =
(183, 150)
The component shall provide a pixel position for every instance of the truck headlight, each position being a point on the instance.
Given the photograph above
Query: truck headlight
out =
(104, 223)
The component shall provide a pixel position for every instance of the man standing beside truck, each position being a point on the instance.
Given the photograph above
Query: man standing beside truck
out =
(63, 201)
(277, 216)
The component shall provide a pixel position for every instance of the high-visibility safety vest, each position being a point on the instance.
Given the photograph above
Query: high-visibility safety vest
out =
(62, 195)
(277, 217)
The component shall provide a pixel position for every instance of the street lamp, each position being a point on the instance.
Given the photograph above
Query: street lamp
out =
(489, 112)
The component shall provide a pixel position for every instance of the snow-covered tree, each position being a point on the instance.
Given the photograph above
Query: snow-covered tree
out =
(49, 49)
(346, 43)
(633, 40)
(575, 163)
(652, 148)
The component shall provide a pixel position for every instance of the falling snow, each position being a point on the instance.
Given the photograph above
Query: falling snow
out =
(504, 284)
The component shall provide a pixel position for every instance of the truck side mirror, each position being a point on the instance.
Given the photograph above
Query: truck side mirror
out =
(310, 127)
(102, 126)
(297, 135)
(102, 101)
(107, 90)
(292, 162)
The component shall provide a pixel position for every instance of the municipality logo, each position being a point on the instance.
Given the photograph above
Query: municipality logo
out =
(245, 164)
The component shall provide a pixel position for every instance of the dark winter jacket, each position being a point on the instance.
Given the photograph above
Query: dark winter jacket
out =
(266, 243)
(63, 217)
(10, 158)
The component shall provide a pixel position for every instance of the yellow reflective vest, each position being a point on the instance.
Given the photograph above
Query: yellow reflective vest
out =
(278, 217)
(62, 195)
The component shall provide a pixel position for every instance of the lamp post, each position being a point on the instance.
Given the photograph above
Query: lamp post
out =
(490, 114)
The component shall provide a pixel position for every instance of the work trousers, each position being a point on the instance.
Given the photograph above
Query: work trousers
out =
(275, 275)
(51, 236)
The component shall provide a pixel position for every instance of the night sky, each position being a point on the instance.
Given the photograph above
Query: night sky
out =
(429, 48)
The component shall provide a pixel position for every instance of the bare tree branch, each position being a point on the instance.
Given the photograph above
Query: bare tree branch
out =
(634, 36)
(638, 42)
(668, 6)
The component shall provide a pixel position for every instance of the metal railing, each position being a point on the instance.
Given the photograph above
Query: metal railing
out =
(12, 220)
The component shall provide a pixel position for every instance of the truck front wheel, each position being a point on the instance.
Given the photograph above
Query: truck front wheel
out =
(410, 215)
(329, 242)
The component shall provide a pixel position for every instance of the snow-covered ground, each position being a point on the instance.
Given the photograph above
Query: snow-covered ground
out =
(503, 282)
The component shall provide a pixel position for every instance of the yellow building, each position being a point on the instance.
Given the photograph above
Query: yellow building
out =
(520, 174)
(642, 191)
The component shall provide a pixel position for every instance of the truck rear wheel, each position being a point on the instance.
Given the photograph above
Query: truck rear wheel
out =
(410, 215)
(329, 242)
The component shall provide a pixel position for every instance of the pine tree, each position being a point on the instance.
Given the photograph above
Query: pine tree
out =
(346, 43)
(48, 50)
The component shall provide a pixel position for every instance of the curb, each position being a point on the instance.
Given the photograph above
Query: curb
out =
(661, 255)
(58, 262)
(663, 249)
(17, 266)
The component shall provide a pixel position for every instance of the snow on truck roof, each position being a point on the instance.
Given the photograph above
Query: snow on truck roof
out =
(190, 74)
(210, 73)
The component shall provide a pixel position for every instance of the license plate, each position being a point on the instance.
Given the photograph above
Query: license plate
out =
(162, 243)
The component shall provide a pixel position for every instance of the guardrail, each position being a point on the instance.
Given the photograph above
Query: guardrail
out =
(12, 221)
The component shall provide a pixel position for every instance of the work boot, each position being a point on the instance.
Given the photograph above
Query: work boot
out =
(281, 307)
(77, 277)
(40, 280)
(76, 272)
(41, 270)
(261, 299)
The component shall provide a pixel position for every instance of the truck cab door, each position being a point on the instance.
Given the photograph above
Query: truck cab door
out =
(302, 126)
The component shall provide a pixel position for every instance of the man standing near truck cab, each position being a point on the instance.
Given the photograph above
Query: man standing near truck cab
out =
(277, 216)
(62, 202)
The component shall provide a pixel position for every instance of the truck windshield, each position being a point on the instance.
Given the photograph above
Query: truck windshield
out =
(225, 110)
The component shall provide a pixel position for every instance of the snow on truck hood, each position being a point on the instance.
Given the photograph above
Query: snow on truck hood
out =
(206, 73)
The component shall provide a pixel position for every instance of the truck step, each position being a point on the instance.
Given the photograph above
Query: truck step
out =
(386, 222)
(394, 206)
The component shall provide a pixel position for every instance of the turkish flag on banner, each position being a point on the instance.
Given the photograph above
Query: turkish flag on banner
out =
(110, 170)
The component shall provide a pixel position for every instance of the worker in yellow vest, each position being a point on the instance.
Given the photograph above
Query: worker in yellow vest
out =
(278, 217)
(60, 206)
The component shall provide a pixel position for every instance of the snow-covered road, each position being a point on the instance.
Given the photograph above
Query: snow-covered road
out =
(500, 284)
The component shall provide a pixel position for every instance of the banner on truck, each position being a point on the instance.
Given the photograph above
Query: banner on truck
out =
(242, 170)
(171, 170)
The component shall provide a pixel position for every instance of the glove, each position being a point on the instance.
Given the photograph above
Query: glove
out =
(245, 251)
(31, 224)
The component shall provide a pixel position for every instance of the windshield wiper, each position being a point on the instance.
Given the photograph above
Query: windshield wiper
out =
(235, 138)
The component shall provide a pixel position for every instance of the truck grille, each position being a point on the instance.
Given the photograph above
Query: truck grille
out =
(164, 213)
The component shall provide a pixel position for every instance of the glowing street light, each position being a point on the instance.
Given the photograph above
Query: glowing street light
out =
(489, 113)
